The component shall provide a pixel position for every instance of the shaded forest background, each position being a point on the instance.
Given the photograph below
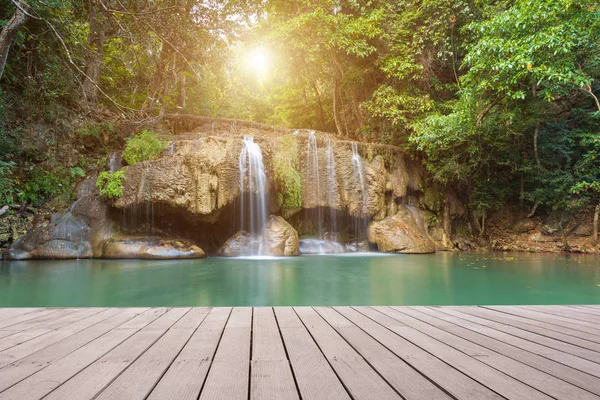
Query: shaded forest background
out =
(499, 98)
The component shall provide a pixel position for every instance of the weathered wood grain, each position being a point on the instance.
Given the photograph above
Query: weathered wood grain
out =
(437, 353)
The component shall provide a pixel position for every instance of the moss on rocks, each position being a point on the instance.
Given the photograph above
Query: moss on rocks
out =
(287, 177)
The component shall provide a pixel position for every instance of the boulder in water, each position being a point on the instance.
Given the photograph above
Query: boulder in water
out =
(399, 234)
(240, 244)
(281, 239)
(278, 239)
(150, 249)
(66, 236)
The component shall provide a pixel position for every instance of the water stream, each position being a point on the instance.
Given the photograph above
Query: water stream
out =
(360, 220)
(253, 192)
(313, 183)
(332, 189)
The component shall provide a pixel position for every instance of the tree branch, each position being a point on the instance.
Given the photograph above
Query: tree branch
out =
(588, 89)
(488, 108)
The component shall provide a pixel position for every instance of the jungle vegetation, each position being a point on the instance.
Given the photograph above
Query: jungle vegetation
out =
(499, 98)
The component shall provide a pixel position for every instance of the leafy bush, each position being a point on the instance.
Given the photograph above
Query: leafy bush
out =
(287, 177)
(95, 130)
(144, 146)
(111, 184)
(8, 189)
(41, 185)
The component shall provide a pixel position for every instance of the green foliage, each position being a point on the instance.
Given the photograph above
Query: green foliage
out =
(8, 187)
(41, 185)
(96, 130)
(287, 177)
(111, 184)
(143, 147)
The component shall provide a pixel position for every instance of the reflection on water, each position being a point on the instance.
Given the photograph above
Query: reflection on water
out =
(360, 279)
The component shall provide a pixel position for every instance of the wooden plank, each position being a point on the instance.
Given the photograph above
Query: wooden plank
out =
(518, 338)
(494, 353)
(505, 344)
(445, 376)
(50, 320)
(137, 381)
(16, 371)
(271, 376)
(13, 320)
(89, 382)
(567, 335)
(229, 374)
(7, 313)
(362, 381)
(408, 382)
(549, 319)
(89, 318)
(595, 309)
(49, 378)
(185, 377)
(38, 326)
(471, 366)
(572, 315)
(585, 309)
(314, 376)
(566, 347)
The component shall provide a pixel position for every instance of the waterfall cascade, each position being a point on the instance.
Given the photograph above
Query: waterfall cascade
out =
(253, 192)
(332, 186)
(313, 187)
(114, 163)
(360, 221)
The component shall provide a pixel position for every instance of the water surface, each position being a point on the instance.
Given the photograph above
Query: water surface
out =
(367, 279)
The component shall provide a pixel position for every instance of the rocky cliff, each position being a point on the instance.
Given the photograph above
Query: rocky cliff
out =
(186, 200)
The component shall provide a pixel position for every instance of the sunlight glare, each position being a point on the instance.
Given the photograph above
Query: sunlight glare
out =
(259, 61)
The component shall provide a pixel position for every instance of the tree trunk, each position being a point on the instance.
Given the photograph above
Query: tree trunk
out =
(482, 223)
(564, 234)
(93, 62)
(320, 108)
(156, 92)
(595, 231)
(336, 107)
(182, 93)
(474, 222)
(8, 34)
(536, 135)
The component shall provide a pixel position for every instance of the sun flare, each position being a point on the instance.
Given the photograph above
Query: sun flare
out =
(258, 60)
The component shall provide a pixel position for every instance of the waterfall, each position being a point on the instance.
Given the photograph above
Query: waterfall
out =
(332, 188)
(313, 181)
(253, 190)
(146, 190)
(358, 167)
(114, 163)
(360, 223)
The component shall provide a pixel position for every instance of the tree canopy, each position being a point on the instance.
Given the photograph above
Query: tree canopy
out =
(500, 99)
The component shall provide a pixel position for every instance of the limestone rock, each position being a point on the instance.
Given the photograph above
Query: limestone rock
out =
(556, 223)
(584, 229)
(278, 239)
(399, 234)
(150, 249)
(281, 239)
(66, 236)
(200, 176)
(239, 244)
(523, 225)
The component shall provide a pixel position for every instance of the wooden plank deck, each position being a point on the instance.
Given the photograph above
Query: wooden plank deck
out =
(525, 352)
